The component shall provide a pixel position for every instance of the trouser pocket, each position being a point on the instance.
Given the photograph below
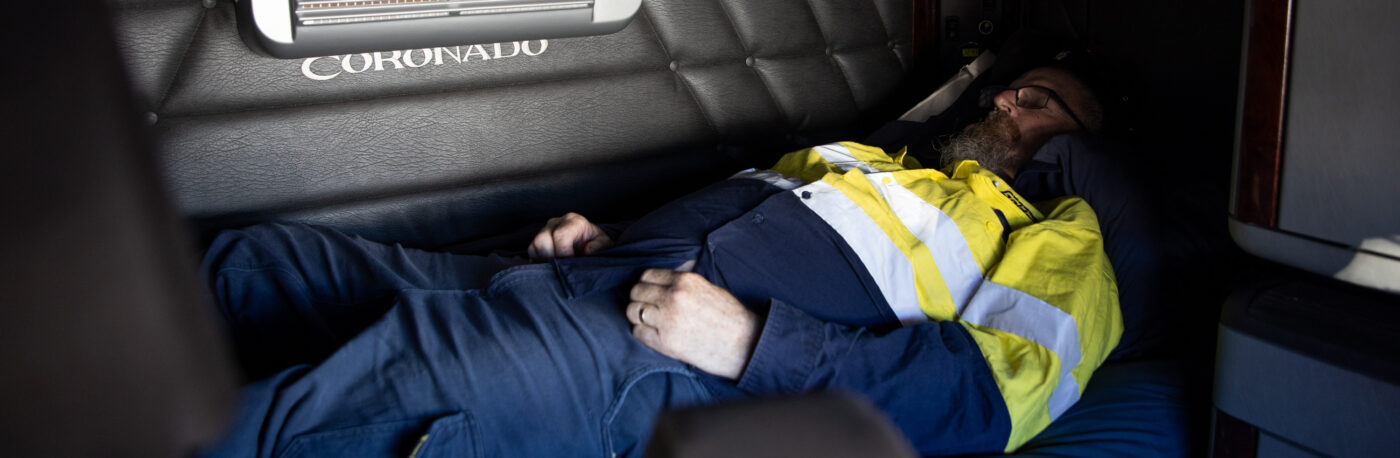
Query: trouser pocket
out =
(452, 435)
(641, 400)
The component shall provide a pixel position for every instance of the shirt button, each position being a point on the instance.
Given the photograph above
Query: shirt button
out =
(887, 180)
(992, 226)
(757, 218)
(806, 194)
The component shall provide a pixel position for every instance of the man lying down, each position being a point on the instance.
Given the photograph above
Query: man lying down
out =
(969, 314)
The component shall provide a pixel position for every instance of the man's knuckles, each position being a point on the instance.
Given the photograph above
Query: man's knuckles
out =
(542, 238)
(690, 279)
(542, 246)
(681, 297)
(647, 292)
(651, 276)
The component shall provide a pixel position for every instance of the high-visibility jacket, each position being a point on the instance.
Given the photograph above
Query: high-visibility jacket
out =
(1029, 282)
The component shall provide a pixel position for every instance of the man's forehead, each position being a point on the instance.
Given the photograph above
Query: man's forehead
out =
(1055, 81)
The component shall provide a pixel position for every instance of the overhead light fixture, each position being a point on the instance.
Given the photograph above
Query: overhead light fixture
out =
(306, 28)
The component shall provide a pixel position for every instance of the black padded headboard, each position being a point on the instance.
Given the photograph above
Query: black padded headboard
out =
(438, 145)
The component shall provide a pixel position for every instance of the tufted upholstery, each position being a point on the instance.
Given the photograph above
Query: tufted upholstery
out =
(423, 149)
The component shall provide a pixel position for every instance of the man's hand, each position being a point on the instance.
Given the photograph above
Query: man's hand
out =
(567, 236)
(686, 317)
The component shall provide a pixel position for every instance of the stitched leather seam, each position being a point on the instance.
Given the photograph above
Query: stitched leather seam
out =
(876, 4)
(159, 104)
(787, 117)
(890, 36)
(677, 74)
(412, 94)
(243, 215)
(831, 57)
(852, 50)
(720, 62)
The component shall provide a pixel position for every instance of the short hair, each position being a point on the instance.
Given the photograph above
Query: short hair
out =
(1088, 71)
(1084, 99)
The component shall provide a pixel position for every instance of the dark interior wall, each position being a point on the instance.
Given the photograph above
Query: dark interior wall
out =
(1184, 56)
(1180, 63)
(1178, 67)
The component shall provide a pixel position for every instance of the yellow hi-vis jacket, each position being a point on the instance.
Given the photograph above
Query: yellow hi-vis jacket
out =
(1041, 303)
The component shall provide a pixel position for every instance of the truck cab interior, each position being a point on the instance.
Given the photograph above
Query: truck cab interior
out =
(136, 130)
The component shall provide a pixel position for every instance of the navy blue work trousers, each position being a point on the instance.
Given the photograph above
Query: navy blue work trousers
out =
(431, 353)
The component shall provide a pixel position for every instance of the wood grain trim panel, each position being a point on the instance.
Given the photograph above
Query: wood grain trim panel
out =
(925, 28)
(1265, 97)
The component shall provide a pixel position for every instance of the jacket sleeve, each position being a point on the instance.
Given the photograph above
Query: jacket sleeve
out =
(1019, 354)
(930, 378)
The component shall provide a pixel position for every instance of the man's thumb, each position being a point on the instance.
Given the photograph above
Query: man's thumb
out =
(596, 245)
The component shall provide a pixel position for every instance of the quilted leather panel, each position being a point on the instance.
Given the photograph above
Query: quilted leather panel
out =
(810, 90)
(734, 98)
(243, 161)
(158, 36)
(499, 206)
(400, 144)
(775, 28)
(677, 23)
(869, 72)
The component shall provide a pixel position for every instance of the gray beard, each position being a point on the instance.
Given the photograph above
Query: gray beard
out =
(991, 142)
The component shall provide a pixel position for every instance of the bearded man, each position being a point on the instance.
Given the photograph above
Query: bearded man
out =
(970, 314)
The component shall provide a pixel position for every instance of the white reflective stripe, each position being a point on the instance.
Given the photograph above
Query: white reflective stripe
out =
(1065, 394)
(882, 259)
(940, 235)
(774, 178)
(1002, 307)
(840, 156)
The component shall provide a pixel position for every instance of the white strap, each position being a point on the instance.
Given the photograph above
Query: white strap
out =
(944, 97)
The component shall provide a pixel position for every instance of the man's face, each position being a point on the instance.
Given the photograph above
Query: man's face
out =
(1011, 133)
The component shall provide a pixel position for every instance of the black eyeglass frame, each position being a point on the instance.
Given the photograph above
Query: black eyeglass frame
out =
(988, 97)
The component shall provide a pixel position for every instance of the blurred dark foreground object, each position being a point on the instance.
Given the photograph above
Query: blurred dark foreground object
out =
(819, 425)
(106, 346)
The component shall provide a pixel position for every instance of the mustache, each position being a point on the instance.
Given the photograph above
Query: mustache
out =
(991, 142)
(997, 123)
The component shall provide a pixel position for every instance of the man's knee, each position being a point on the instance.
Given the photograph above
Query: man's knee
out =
(264, 299)
(250, 266)
(256, 246)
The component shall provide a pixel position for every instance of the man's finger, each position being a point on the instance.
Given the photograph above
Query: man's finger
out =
(570, 236)
(650, 293)
(598, 243)
(564, 241)
(543, 246)
(660, 276)
(647, 335)
(634, 312)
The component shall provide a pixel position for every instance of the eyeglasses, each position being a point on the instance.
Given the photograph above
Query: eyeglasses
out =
(1030, 97)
